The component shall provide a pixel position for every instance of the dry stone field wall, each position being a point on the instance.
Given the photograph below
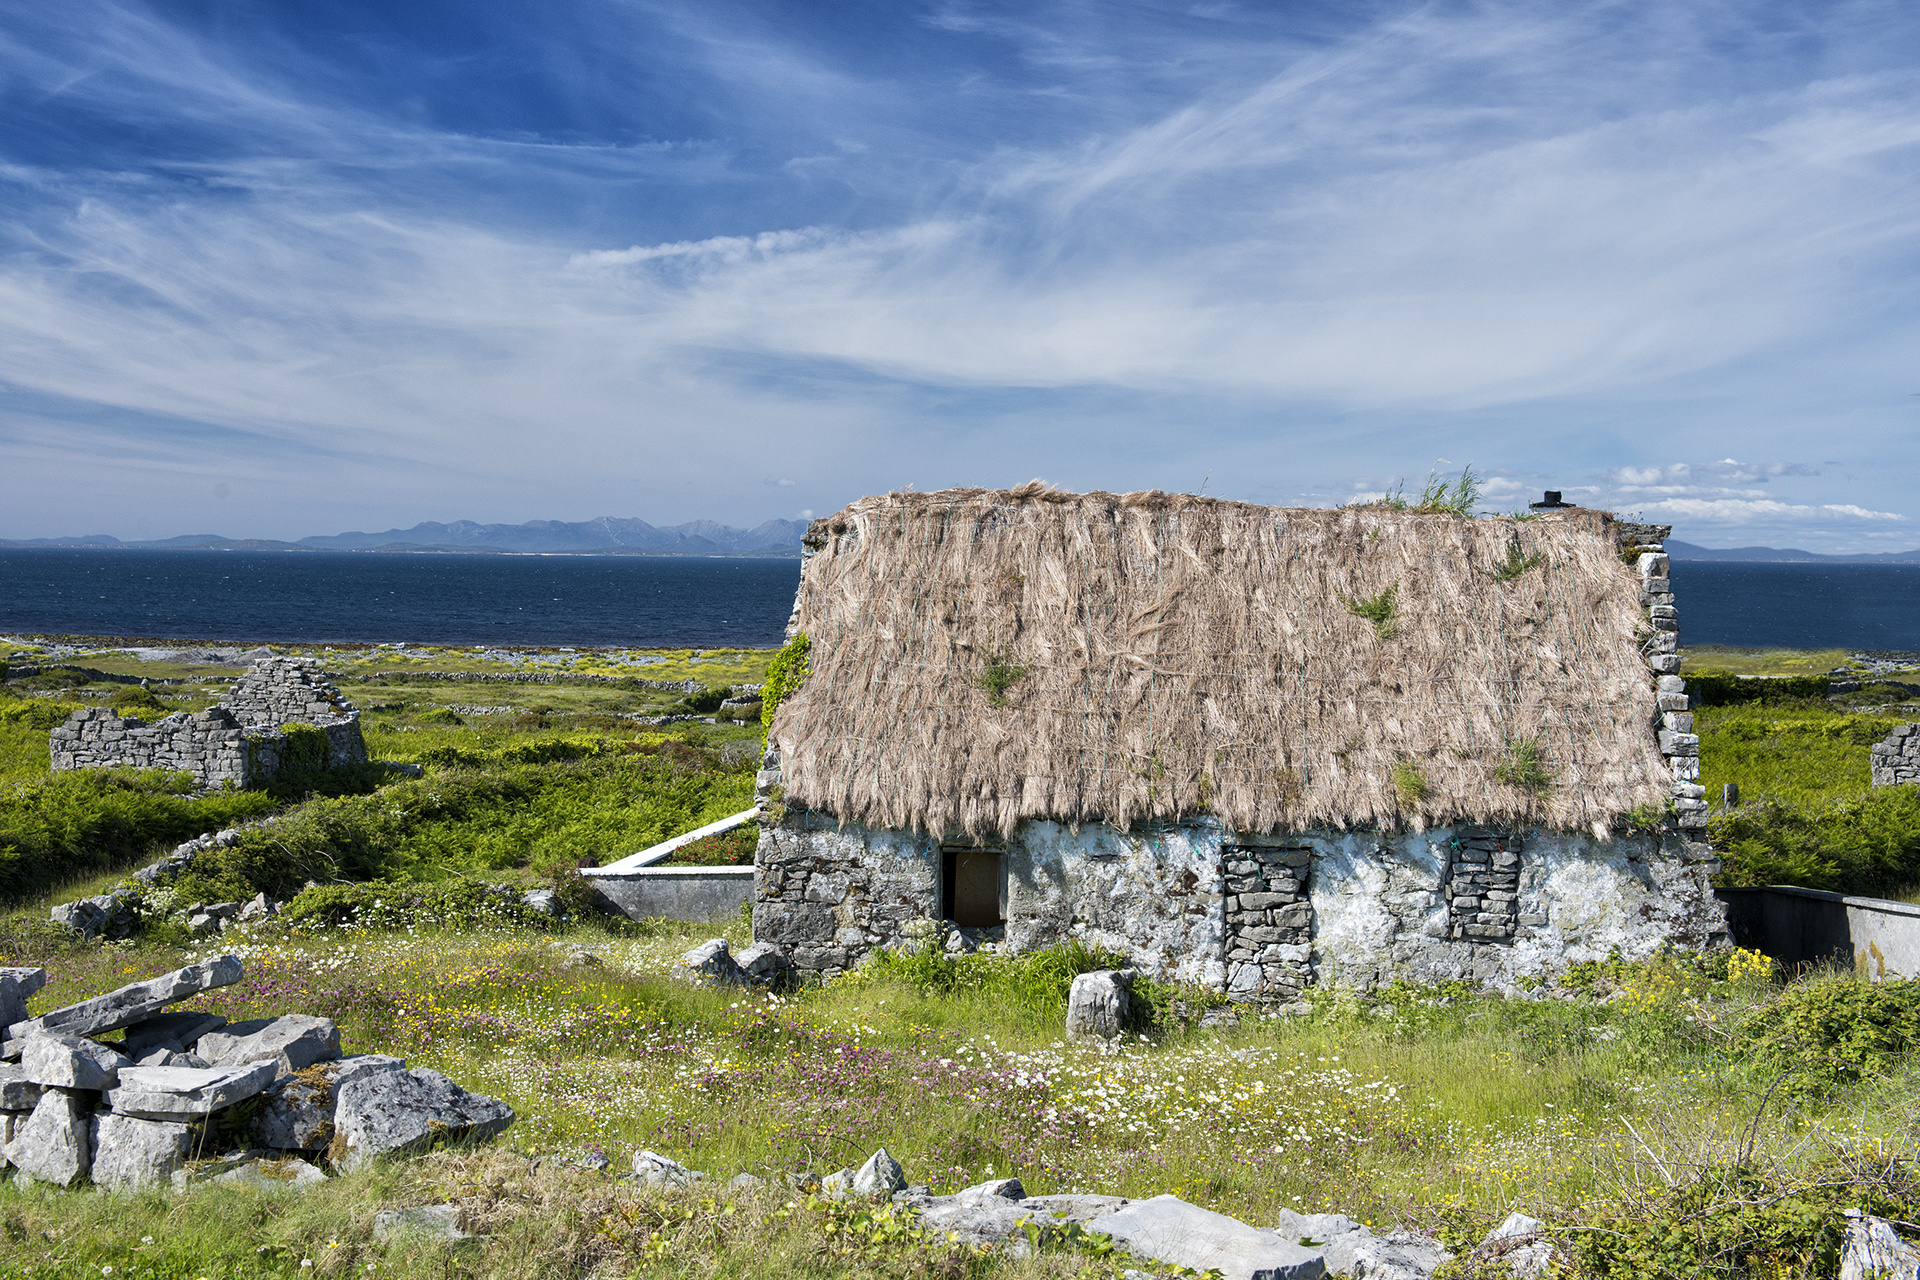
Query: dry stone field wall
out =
(238, 741)
(1896, 757)
(155, 1105)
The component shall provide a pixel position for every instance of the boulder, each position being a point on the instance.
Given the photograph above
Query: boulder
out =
(16, 986)
(176, 1032)
(133, 1003)
(1097, 1003)
(111, 915)
(712, 962)
(838, 1184)
(1353, 1249)
(259, 908)
(175, 1093)
(295, 1041)
(764, 964)
(69, 1062)
(383, 1112)
(1521, 1243)
(296, 1112)
(130, 1153)
(656, 1170)
(1168, 1229)
(544, 901)
(17, 1092)
(880, 1175)
(1873, 1251)
(55, 1145)
(745, 1182)
(437, 1221)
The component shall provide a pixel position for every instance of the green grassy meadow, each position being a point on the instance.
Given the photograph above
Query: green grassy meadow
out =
(1682, 1117)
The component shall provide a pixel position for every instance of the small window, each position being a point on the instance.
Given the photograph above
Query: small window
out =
(972, 886)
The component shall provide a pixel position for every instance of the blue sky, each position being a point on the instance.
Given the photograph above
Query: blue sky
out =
(272, 269)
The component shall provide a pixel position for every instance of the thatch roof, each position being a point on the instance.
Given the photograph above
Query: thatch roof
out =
(1162, 656)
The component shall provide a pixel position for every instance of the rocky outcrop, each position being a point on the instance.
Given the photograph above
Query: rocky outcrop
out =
(137, 1114)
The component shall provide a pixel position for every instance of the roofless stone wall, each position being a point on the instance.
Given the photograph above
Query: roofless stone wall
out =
(1896, 757)
(238, 741)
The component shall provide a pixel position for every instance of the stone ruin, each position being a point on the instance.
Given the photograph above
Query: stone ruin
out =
(238, 741)
(1896, 757)
(147, 1109)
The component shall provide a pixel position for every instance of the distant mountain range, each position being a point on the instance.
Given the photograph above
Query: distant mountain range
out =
(607, 535)
(1679, 550)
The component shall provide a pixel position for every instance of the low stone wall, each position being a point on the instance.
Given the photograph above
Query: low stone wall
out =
(1896, 757)
(673, 893)
(1808, 926)
(237, 741)
(1259, 917)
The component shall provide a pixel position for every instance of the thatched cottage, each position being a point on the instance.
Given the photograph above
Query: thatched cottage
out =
(1247, 746)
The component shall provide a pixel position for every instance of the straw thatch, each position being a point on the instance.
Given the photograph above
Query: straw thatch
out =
(985, 657)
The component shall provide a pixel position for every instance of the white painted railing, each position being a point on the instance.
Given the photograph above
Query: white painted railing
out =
(647, 857)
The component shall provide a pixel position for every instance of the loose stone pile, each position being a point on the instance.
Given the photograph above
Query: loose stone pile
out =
(1896, 757)
(145, 1109)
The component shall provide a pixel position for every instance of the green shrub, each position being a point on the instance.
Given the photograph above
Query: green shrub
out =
(787, 670)
(733, 848)
(705, 702)
(131, 700)
(1828, 1032)
(58, 828)
(1720, 689)
(1869, 844)
(461, 903)
(41, 714)
(1036, 982)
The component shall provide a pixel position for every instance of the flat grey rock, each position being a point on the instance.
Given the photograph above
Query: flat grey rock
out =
(438, 1221)
(880, 1175)
(379, 1113)
(17, 1093)
(69, 1062)
(1522, 1243)
(54, 1144)
(837, 1184)
(656, 1170)
(130, 1153)
(295, 1041)
(1874, 1251)
(1081, 1209)
(290, 1174)
(1168, 1229)
(764, 964)
(296, 1111)
(175, 1093)
(135, 1002)
(174, 1031)
(1353, 1249)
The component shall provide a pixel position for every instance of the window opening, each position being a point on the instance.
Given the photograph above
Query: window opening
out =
(973, 887)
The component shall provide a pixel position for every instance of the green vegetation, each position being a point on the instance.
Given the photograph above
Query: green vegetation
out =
(1525, 766)
(1000, 674)
(1437, 497)
(787, 670)
(1409, 784)
(1515, 564)
(1381, 610)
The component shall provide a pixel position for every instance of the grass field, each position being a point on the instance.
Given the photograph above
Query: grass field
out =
(1676, 1118)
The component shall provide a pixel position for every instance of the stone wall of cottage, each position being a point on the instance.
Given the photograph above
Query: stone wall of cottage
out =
(1645, 547)
(236, 742)
(1259, 917)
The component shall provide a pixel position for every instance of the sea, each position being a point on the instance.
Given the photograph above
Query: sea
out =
(710, 602)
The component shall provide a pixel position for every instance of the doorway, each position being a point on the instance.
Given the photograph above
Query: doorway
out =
(973, 887)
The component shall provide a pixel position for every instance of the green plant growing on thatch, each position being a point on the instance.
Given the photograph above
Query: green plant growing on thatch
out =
(1525, 767)
(1646, 817)
(1000, 674)
(1439, 498)
(1410, 784)
(1380, 610)
(787, 670)
(1515, 564)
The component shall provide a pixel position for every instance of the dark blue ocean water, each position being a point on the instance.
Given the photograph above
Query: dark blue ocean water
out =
(646, 601)
(428, 599)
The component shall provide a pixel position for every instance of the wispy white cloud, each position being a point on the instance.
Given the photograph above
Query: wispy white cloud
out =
(1749, 510)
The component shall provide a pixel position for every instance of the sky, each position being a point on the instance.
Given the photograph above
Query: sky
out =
(289, 268)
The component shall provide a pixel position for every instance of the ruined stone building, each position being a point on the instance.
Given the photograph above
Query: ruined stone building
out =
(240, 740)
(1245, 746)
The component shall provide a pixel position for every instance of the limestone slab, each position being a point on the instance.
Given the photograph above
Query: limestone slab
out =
(170, 1093)
(1168, 1229)
(295, 1041)
(17, 1092)
(384, 1112)
(69, 1062)
(130, 1153)
(54, 1144)
(133, 1003)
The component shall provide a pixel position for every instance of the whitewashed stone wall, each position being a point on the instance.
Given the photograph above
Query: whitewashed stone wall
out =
(1195, 904)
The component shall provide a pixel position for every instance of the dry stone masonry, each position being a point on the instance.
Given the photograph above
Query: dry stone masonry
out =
(1896, 757)
(1646, 546)
(148, 1108)
(239, 741)
(1269, 920)
(1483, 889)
